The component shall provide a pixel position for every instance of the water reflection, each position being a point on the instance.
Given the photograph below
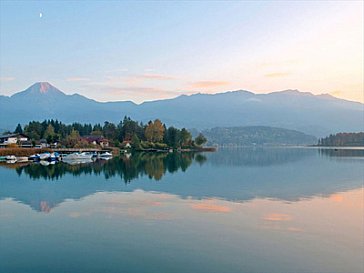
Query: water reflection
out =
(259, 156)
(110, 232)
(345, 153)
(128, 168)
(246, 210)
(236, 175)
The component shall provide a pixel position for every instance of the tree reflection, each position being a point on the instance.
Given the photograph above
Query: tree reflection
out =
(127, 167)
(342, 152)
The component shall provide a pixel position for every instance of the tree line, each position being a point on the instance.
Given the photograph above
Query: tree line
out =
(154, 134)
(343, 139)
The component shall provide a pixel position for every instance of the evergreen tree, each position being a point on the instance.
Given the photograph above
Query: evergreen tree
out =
(200, 139)
(18, 129)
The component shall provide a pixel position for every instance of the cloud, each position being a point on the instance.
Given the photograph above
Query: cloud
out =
(277, 217)
(277, 74)
(118, 70)
(279, 63)
(150, 76)
(7, 79)
(136, 79)
(133, 90)
(209, 206)
(208, 84)
(77, 79)
(282, 228)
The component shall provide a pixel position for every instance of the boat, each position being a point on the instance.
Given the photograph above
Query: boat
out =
(34, 157)
(76, 156)
(53, 157)
(105, 155)
(44, 156)
(10, 158)
(20, 159)
(2, 158)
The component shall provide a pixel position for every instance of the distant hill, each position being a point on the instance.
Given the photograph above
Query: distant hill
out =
(257, 135)
(316, 115)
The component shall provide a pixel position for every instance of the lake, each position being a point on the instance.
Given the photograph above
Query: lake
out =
(236, 210)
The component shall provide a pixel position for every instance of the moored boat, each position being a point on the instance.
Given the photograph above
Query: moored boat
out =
(105, 155)
(53, 157)
(20, 159)
(35, 157)
(75, 156)
(10, 158)
(44, 156)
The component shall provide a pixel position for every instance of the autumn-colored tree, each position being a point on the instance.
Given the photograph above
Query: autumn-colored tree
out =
(73, 138)
(154, 131)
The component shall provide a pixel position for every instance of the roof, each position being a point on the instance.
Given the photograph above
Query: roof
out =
(95, 138)
(13, 135)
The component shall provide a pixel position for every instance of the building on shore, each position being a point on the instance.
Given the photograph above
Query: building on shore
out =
(97, 140)
(15, 139)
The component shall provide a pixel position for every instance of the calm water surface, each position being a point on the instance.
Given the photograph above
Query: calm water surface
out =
(247, 210)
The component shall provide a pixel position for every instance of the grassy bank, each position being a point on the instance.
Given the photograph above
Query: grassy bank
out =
(22, 151)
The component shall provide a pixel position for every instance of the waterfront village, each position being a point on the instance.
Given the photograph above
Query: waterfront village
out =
(53, 141)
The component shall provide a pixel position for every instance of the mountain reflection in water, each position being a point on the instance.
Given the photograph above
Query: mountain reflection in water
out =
(240, 175)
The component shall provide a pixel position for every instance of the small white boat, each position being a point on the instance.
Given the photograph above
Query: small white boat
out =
(76, 156)
(53, 156)
(10, 158)
(22, 159)
(35, 157)
(105, 155)
(44, 156)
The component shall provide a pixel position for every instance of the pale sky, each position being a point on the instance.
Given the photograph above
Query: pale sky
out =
(144, 51)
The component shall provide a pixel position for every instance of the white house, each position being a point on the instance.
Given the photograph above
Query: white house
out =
(13, 139)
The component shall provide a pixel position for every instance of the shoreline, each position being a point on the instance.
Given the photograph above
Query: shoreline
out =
(19, 152)
(30, 151)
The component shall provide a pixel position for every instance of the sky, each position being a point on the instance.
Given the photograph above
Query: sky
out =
(142, 51)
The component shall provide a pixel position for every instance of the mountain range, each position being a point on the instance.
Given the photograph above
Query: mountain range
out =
(317, 115)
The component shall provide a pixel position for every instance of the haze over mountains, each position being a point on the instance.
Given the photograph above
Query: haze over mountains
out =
(317, 115)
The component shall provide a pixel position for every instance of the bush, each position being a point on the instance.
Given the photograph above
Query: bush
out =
(159, 145)
(147, 145)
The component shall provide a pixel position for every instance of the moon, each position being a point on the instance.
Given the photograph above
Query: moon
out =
(40, 15)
